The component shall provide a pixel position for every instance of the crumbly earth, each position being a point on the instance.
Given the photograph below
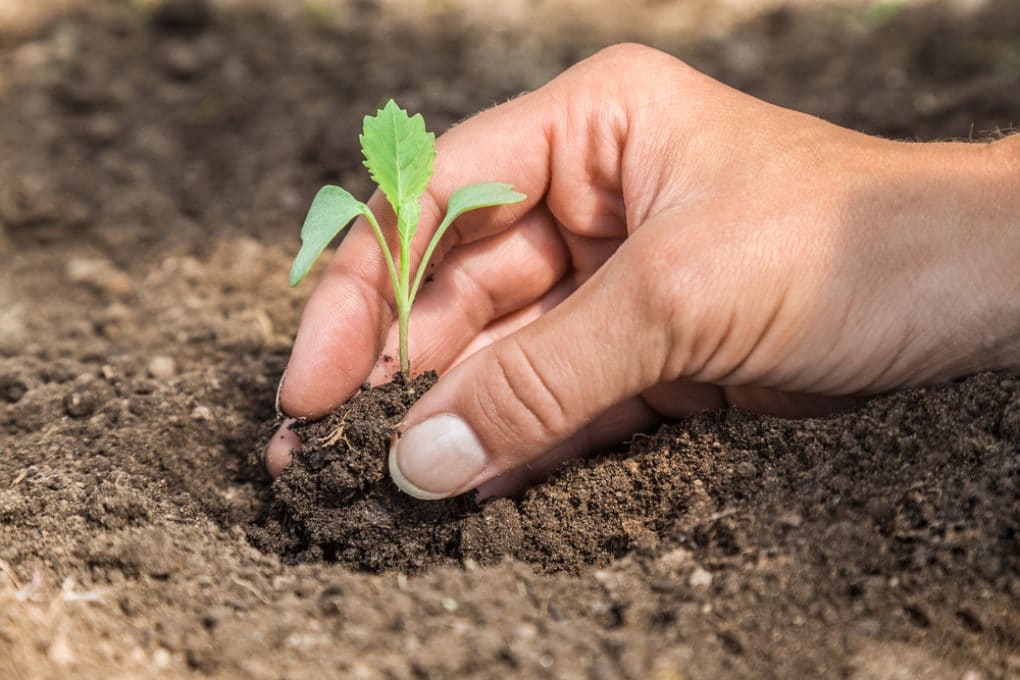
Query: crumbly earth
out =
(155, 161)
(336, 501)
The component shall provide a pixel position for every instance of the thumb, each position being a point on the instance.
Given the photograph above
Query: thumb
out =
(513, 401)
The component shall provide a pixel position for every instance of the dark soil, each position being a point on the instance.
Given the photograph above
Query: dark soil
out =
(336, 500)
(154, 166)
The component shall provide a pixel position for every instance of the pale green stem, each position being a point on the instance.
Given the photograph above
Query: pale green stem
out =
(387, 255)
(404, 305)
(423, 265)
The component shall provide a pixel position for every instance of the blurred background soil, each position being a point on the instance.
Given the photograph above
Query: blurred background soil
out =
(156, 159)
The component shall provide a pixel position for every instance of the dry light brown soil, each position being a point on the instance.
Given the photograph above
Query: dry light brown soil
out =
(155, 161)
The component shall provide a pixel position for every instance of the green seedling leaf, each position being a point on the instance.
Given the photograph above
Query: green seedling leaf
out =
(475, 196)
(332, 209)
(399, 154)
(465, 199)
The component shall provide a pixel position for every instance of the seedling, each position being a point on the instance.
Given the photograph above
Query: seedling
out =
(399, 154)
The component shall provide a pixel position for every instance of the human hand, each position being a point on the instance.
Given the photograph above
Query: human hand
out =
(683, 247)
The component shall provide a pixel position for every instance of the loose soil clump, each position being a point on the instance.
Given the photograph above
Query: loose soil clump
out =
(336, 501)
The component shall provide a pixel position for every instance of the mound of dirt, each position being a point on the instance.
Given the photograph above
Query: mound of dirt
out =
(852, 480)
(336, 501)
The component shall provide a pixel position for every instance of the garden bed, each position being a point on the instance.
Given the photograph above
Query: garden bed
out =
(154, 169)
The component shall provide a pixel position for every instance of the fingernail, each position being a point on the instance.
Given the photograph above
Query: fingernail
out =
(279, 388)
(436, 458)
(280, 449)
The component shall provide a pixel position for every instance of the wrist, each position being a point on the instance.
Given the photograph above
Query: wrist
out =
(971, 211)
(1005, 162)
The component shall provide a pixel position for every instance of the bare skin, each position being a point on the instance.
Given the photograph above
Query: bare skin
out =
(683, 246)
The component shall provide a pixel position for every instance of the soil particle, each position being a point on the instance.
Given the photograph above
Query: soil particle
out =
(162, 367)
(100, 274)
(12, 388)
(81, 402)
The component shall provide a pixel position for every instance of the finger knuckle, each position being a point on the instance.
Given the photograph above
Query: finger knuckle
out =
(529, 406)
(627, 53)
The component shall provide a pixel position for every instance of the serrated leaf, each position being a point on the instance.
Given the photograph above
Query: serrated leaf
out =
(332, 209)
(399, 154)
